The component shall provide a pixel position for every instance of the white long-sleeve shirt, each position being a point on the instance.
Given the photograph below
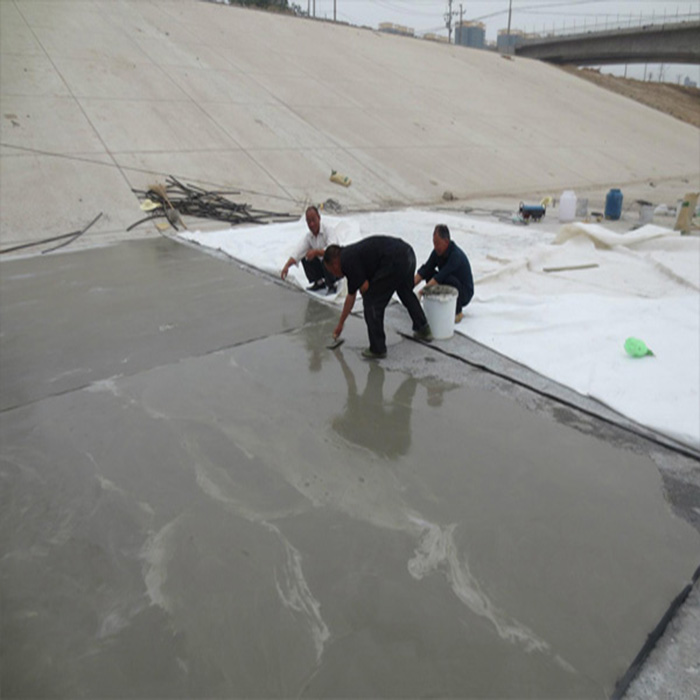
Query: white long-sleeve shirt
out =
(322, 241)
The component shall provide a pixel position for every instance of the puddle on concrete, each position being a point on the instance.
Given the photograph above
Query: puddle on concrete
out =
(283, 520)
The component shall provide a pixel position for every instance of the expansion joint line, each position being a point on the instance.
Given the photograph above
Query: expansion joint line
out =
(686, 452)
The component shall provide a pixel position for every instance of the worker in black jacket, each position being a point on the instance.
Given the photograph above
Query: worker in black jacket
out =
(448, 265)
(377, 266)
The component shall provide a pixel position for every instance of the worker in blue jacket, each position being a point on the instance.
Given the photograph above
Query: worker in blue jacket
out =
(448, 265)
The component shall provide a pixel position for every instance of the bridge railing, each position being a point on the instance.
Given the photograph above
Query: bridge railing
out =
(619, 23)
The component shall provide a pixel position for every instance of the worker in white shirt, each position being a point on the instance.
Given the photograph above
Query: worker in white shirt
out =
(310, 252)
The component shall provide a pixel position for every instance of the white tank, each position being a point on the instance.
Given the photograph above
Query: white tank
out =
(567, 206)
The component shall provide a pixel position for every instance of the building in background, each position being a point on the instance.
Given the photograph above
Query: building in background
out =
(430, 36)
(391, 28)
(506, 43)
(472, 34)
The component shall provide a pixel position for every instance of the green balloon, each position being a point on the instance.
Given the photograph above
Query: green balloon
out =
(636, 348)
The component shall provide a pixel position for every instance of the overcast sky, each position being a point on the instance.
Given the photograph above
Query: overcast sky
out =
(527, 15)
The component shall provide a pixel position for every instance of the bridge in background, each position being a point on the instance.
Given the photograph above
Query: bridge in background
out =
(654, 43)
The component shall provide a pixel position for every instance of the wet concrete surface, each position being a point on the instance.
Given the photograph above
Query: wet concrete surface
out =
(236, 511)
(72, 319)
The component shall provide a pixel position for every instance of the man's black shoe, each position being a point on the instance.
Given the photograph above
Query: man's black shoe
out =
(369, 354)
(424, 334)
(319, 284)
(332, 289)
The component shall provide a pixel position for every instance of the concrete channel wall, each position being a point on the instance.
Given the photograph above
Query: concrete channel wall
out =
(102, 96)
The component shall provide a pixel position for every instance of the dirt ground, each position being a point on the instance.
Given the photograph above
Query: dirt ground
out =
(677, 100)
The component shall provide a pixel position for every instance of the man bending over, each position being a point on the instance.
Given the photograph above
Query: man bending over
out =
(377, 267)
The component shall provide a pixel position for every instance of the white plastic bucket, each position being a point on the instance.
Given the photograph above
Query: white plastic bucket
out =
(439, 304)
(567, 206)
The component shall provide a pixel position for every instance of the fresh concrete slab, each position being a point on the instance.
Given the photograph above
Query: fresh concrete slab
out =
(46, 302)
(200, 502)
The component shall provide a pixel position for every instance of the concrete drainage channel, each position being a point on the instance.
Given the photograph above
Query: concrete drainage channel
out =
(499, 369)
(623, 685)
(215, 456)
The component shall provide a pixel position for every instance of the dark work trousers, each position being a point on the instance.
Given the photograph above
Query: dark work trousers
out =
(376, 298)
(315, 270)
(463, 297)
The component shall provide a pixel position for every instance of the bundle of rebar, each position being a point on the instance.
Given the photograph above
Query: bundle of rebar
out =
(190, 200)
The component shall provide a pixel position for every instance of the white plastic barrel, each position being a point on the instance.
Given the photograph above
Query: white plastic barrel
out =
(439, 304)
(567, 206)
(646, 213)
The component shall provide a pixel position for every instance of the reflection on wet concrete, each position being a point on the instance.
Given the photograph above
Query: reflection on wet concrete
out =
(384, 427)
(210, 517)
(276, 519)
(317, 331)
(69, 320)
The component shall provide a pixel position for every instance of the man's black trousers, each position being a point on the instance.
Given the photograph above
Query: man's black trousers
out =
(376, 298)
(316, 271)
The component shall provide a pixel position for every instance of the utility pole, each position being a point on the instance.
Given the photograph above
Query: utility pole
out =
(334, 11)
(314, 8)
(510, 11)
(448, 19)
(461, 25)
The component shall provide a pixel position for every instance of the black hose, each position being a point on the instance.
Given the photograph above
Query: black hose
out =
(687, 452)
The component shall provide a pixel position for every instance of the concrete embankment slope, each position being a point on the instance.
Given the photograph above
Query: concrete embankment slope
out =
(99, 96)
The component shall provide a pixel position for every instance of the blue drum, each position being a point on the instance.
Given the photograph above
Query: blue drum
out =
(613, 205)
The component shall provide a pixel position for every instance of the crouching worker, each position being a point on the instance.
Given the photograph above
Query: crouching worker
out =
(377, 267)
(310, 252)
(449, 265)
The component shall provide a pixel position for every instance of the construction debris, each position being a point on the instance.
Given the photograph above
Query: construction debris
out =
(339, 179)
(175, 199)
(566, 268)
(66, 238)
(331, 205)
(686, 210)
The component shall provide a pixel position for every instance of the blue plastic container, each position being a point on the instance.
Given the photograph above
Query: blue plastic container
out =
(613, 205)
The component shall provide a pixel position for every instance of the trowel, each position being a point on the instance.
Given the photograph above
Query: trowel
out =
(335, 343)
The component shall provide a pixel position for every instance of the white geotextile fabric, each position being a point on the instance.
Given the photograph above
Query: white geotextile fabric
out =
(569, 325)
